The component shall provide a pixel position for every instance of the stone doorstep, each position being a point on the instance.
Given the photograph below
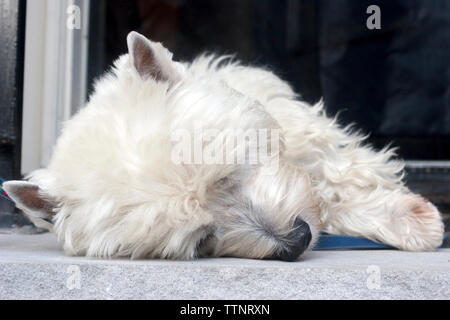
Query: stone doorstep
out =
(35, 267)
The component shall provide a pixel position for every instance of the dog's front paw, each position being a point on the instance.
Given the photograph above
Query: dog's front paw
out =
(419, 224)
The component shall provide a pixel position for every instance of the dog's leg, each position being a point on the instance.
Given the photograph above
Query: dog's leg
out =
(392, 216)
(360, 190)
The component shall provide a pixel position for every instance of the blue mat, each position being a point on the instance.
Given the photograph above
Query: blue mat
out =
(332, 242)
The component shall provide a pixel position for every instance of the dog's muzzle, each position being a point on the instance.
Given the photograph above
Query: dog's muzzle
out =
(297, 242)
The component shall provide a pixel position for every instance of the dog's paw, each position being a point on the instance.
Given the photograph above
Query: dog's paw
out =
(419, 224)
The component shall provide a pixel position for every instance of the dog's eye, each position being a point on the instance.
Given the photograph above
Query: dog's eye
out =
(205, 247)
(223, 181)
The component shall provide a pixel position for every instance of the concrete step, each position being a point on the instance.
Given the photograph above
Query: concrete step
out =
(35, 267)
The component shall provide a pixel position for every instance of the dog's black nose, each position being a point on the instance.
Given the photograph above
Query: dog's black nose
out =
(297, 242)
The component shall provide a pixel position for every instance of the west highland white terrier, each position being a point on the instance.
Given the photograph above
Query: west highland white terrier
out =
(163, 163)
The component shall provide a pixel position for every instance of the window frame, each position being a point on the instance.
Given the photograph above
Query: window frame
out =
(55, 75)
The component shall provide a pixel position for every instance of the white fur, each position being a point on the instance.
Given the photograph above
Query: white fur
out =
(118, 193)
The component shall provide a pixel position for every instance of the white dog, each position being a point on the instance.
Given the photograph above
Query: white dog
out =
(113, 188)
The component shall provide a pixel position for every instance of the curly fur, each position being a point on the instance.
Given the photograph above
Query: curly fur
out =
(115, 191)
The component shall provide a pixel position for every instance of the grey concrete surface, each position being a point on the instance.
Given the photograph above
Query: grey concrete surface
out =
(35, 267)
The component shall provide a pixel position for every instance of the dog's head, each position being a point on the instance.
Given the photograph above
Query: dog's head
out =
(113, 189)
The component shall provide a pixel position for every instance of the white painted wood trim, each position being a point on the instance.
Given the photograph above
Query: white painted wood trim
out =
(416, 164)
(55, 76)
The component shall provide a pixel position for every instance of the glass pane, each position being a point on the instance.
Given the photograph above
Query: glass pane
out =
(392, 82)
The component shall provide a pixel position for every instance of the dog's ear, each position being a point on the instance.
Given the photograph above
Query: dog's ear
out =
(151, 59)
(31, 200)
